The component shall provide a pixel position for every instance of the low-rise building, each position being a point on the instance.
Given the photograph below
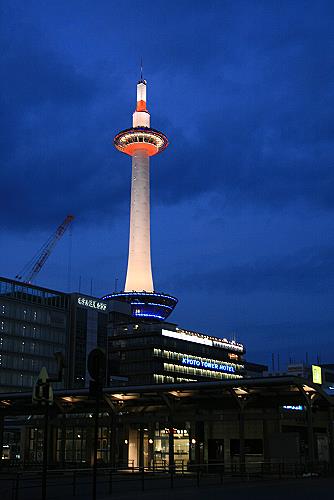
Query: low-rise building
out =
(157, 352)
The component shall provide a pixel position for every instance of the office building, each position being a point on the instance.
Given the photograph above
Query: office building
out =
(37, 322)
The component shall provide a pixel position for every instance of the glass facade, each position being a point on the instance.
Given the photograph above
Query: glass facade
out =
(75, 442)
(35, 323)
(35, 447)
(33, 326)
(161, 446)
(74, 445)
(88, 330)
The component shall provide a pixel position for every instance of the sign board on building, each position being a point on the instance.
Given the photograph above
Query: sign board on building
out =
(93, 304)
(208, 365)
(294, 407)
(316, 374)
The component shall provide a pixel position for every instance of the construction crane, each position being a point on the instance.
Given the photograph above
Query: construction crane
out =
(33, 267)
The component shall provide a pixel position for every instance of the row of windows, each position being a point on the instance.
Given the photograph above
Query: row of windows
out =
(8, 344)
(130, 367)
(33, 295)
(74, 443)
(183, 379)
(33, 315)
(26, 363)
(19, 311)
(163, 379)
(166, 379)
(198, 371)
(169, 343)
(137, 341)
(32, 332)
(178, 356)
(133, 355)
(16, 379)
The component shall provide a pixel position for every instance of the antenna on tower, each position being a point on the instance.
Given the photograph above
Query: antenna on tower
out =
(141, 69)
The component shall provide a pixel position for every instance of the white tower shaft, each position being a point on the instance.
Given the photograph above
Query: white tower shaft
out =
(139, 272)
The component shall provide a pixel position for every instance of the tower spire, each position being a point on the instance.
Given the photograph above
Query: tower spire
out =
(141, 69)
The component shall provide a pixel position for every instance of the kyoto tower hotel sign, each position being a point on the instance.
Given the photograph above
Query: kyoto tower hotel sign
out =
(141, 142)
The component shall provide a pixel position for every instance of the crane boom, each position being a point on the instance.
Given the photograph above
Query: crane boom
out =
(34, 266)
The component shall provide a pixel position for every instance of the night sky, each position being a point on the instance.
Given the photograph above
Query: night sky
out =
(242, 200)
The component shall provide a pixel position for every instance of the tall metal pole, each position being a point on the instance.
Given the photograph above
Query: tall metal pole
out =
(96, 365)
(1, 438)
(96, 437)
(241, 440)
(45, 450)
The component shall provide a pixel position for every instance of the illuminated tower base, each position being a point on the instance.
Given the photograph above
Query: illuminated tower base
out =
(141, 142)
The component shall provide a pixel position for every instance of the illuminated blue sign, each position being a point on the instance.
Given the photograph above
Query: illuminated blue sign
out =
(293, 407)
(209, 365)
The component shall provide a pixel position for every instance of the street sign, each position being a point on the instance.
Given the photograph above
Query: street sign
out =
(42, 391)
(97, 365)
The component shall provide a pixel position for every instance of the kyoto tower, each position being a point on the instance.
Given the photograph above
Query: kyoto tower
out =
(141, 142)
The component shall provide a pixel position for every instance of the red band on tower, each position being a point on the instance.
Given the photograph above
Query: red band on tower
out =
(141, 106)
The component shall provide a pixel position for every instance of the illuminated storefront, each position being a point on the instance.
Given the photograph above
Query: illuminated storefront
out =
(161, 446)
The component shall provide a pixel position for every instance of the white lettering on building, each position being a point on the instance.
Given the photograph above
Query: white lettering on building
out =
(224, 367)
(94, 304)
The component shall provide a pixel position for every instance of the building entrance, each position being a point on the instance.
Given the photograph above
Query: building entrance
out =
(161, 447)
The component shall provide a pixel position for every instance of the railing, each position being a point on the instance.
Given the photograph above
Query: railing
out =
(64, 483)
(19, 465)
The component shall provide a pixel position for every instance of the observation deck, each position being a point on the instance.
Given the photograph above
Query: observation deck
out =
(146, 139)
(146, 305)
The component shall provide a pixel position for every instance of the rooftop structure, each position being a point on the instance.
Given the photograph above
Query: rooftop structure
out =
(141, 142)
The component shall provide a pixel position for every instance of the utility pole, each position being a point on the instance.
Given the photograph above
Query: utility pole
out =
(96, 365)
(43, 396)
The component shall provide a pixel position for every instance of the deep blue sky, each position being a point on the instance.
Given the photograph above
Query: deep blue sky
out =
(243, 198)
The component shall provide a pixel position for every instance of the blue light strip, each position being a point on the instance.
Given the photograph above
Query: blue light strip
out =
(148, 315)
(160, 305)
(150, 304)
(146, 294)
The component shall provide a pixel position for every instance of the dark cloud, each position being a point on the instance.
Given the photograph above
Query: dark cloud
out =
(52, 163)
(259, 89)
(243, 90)
(309, 271)
(270, 138)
